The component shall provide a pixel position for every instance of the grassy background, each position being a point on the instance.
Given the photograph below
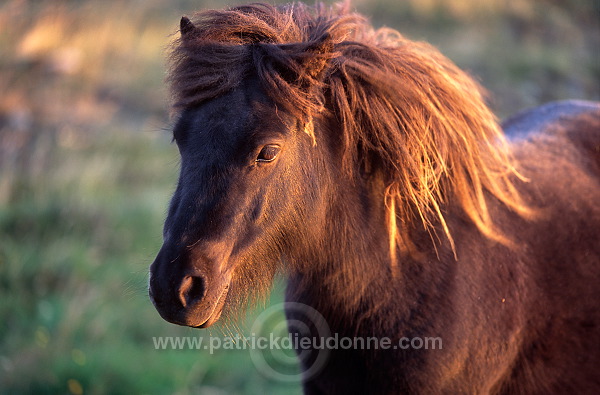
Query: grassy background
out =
(86, 170)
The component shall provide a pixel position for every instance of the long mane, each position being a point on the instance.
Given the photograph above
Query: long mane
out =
(423, 118)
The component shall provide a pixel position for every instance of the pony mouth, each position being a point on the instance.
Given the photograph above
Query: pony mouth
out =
(216, 311)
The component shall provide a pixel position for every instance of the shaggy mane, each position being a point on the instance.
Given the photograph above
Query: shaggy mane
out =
(402, 100)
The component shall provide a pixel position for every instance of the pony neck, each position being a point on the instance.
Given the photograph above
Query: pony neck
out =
(349, 275)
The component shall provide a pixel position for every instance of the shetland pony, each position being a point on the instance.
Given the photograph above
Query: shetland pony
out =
(368, 169)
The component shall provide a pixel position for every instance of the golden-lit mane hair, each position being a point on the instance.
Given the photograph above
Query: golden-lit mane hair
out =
(400, 100)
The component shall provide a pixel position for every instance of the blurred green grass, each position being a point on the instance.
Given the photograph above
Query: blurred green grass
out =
(86, 170)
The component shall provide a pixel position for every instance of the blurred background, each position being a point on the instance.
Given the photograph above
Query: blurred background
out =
(87, 168)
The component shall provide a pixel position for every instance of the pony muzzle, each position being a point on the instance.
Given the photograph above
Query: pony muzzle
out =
(193, 298)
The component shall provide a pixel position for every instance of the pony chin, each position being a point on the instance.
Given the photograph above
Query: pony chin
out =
(216, 311)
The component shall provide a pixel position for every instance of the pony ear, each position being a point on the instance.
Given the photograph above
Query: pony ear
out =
(322, 51)
(186, 27)
(322, 45)
(302, 62)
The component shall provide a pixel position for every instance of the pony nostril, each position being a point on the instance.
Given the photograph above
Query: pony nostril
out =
(191, 290)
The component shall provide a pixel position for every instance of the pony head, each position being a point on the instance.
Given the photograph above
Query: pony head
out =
(297, 125)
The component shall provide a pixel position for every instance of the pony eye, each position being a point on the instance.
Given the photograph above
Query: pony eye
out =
(268, 153)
